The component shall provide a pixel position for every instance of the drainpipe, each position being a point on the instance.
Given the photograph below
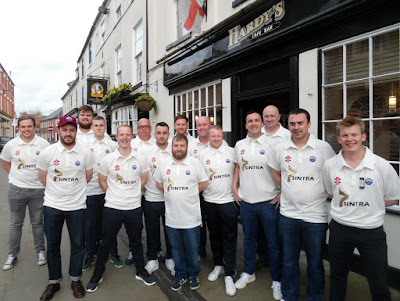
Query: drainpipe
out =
(147, 47)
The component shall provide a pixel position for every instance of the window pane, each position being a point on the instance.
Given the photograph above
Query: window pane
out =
(190, 101)
(203, 97)
(358, 99)
(385, 88)
(178, 104)
(357, 60)
(219, 116)
(210, 96)
(331, 136)
(219, 94)
(196, 100)
(183, 102)
(386, 53)
(386, 139)
(333, 66)
(333, 103)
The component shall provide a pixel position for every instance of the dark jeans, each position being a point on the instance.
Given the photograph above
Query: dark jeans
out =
(203, 229)
(93, 225)
(262, 247)
(371, 244)
(112, 222)
(153, 211)
(53, 225)
(185, 245)
(222, 226)
(269, 217)
(294, 233)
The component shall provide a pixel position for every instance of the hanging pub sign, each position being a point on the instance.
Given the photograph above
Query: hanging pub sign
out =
(97, 88)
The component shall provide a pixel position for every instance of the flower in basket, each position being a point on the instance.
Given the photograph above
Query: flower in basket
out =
(145, 102)
(116, 92)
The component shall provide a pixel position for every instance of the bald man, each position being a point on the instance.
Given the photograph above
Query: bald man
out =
(272, 128)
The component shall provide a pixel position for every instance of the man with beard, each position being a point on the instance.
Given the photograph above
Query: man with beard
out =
(19, 157)
(154, 203)
(64, 169)
(220, 207)
(122, 177)
(181, 126)
(85, 117)
(182, 178)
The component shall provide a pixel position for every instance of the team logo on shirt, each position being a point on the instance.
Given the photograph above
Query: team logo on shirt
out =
(262, 152)
(195, 151)
(344, 198)
(153, 159)
(134, 167)
(337, 180)
(208, 162)
(135, 149)
(58, 174)
(92, 149)
(116, 167)
(17, 153)
(213, 172)
(107, 151)
(37, 153)
(56, 163)
(245, 162)
(228, 161)
(119, 178)
(369, 181)
(188, 172)
(292, 173)
(21, 162)
(170, 182)
(313, 159)
(23, 165)
(242, 152)
(288, 159)
(168, 171)
(77, 163)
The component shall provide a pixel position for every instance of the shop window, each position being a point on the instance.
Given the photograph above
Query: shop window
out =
(126, 115)
(201, 101)
(361, 77)
(138, 48)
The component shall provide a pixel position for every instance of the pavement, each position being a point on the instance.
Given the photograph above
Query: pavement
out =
(27, 280)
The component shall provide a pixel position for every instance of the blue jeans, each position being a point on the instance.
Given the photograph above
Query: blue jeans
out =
(266, 213)
(53, 225)
(19, 199)
(153, 211)
(294, 233)
(112, 222)
(185, 246)
(93, 225)
(371, 243)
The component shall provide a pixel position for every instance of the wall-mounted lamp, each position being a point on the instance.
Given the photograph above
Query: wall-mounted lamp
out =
(104, 10)
(212, 119)
(196, 117)
(392, 101)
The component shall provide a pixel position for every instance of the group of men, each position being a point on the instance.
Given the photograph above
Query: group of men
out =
(277, 180)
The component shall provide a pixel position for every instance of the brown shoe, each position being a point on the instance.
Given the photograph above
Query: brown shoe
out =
(49, 292)
(78, 289)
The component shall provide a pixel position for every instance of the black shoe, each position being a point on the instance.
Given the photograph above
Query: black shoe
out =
(49, 292)
(194, 283)
(145, 277)
(93, 284)
(177, 284)
(129, 259)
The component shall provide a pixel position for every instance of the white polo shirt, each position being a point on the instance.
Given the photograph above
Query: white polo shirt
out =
(66, 175)
(303, 196)
(181, 192)
(255, 177)
(279, 136)
(84, 138)
(359, 193)
(100, 149)
(23, 157)
(123, 180)
(156, 158)
(219, 166)
(188, 136)
(196, 147)
(138, 145)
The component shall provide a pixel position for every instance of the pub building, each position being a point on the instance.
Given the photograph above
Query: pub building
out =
(331, 57)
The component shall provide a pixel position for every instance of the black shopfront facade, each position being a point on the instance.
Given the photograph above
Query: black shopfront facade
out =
(258, 49)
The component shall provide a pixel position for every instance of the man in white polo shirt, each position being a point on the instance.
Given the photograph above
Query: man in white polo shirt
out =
(154, 204)
(143, 141)
(181, 126)
(64, 169)
(19, 157)
(122, 177)
(296, 166)
(220, 207)
(361, 184)
(182, 178)
(257, 195)
(85, 117)
(101, 146)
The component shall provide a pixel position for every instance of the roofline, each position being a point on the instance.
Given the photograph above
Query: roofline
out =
(9, 77)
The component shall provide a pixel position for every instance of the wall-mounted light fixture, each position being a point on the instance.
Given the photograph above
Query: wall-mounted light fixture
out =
(212, 119)
(104, 10)
(392, 101)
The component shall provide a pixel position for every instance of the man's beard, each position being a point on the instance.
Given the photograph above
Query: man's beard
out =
(67, 143)
(180, 155)
(85, 126)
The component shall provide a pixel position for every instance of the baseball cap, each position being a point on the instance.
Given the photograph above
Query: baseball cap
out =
(67, 119)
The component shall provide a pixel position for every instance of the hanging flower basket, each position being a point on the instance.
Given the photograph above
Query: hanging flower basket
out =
(117, 92)
(145, 102)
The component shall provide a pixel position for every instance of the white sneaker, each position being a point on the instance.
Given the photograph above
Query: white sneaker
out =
(244, 279)
(11, 259)
(151, 266)
(276, 290)
(170, 264)
(230, 288)
(218, 269)
(41, 258)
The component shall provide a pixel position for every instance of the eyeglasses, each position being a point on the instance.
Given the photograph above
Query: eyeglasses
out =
(144, 126)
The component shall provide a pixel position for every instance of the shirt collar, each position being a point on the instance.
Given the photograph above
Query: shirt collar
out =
(311, 142)
(368, 161)
(34, 140)
(62, 148)
(132, 154)
(184, 162)
(260, 139)
(221, 149)
(82, 133)
(279, 133)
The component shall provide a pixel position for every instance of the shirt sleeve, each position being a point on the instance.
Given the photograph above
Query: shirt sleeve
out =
(200, 171)
(326, 178)
(6, 152)
(104, 166)
(158, 175)
(235, 159)
(90, 160)
(273, 161)
(391, 183)
(43, 160)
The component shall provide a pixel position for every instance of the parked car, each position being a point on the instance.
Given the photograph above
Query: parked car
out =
(3, 141)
